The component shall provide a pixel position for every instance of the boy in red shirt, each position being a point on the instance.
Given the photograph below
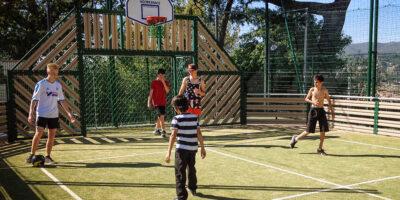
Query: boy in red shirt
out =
(158, 99)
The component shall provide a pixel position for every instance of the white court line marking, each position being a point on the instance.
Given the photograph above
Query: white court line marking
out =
(330, 189)
(123, 140)
(93, 141)
(373, 145)
(295, 173)
(108, 140)
(113, 157)
(76, 141)
(60, 141)
(59, 183)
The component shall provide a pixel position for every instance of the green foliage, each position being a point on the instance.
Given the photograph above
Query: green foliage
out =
(23, 23)
(117, 88)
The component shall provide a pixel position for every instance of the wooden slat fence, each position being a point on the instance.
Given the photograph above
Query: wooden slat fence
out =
(355, 114)
(102, 31)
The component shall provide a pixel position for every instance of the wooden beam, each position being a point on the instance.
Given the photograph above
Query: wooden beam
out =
(181, 35)
(96, 31)
(106, 32)
(54, 52)
(46, 45)
(128, 33)
(136, 34)
(71, 50)
(86, 29)
(174, 35)
(114, 28)
(72, 64)
(166, 40)
(188, 35)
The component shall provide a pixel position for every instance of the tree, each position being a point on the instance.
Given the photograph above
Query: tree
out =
(23, 23)
(333, 14)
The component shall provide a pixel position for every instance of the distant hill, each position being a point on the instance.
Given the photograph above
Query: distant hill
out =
(383, 48)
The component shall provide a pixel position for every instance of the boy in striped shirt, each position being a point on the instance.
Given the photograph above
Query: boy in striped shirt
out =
(186, 132)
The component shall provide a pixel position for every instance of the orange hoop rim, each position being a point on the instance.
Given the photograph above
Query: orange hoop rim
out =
(153, 20)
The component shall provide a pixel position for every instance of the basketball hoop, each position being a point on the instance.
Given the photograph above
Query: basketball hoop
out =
(156, 29)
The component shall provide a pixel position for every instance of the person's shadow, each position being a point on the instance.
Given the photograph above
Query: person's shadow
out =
(209, 196)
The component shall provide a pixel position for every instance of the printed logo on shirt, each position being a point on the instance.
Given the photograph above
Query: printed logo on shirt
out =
(51, 93)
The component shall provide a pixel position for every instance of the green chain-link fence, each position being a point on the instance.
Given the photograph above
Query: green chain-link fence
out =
(117, 88)
(313, 43)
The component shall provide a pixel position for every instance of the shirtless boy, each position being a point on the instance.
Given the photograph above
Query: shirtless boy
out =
(316, 97)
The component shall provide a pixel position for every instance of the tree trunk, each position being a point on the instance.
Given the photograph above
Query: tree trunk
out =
(224, 23)
(334, 15)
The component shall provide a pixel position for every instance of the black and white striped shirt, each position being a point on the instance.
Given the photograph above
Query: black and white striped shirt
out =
(187, 125)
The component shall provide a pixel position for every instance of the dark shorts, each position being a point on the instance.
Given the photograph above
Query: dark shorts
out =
(317, 114)
(160, 110)
(50, 123)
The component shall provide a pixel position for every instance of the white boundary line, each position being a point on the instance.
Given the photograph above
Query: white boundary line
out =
(113, 157)
(73, 194)
(294, 173)
(330, 189)
(59, 183)
(366, 144)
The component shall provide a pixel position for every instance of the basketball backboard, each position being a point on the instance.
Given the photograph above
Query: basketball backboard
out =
(138, 10)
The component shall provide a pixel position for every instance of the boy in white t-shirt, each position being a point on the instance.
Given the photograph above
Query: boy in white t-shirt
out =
(46, 96)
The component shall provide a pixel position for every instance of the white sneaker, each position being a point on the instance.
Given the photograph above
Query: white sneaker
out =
(48, 160)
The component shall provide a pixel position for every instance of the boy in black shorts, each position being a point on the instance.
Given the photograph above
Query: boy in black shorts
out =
(316, 97)
(158, 99)
(47, 95)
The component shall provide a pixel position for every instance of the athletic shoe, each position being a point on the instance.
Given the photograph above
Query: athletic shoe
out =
(29, 159)
(157, 132)
(163, 134)
(293, 141)
(49, 160)
(321, 152)
(194, 193)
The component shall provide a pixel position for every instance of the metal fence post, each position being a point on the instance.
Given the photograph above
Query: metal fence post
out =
(376, 115)
(371, 25)
(375, 51)
(11, 110)
(81, 68)
(243, 99)
(195, 41)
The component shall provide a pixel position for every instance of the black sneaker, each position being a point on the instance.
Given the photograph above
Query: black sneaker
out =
(163, 134)
(49, 160)
(193, 192)
(157, 132)
(321, 152)
(293, 141)
(29, 159)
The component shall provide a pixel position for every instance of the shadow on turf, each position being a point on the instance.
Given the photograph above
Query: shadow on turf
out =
(273, 132)
(107, 165)
(254, 146)
(315, 136)
(360, 155)
(13, 185)
(213, 197)
(202, 187)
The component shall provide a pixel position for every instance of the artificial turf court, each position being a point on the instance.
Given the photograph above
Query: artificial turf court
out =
(243, 162)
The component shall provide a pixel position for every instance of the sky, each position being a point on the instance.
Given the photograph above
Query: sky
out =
(357, 20)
